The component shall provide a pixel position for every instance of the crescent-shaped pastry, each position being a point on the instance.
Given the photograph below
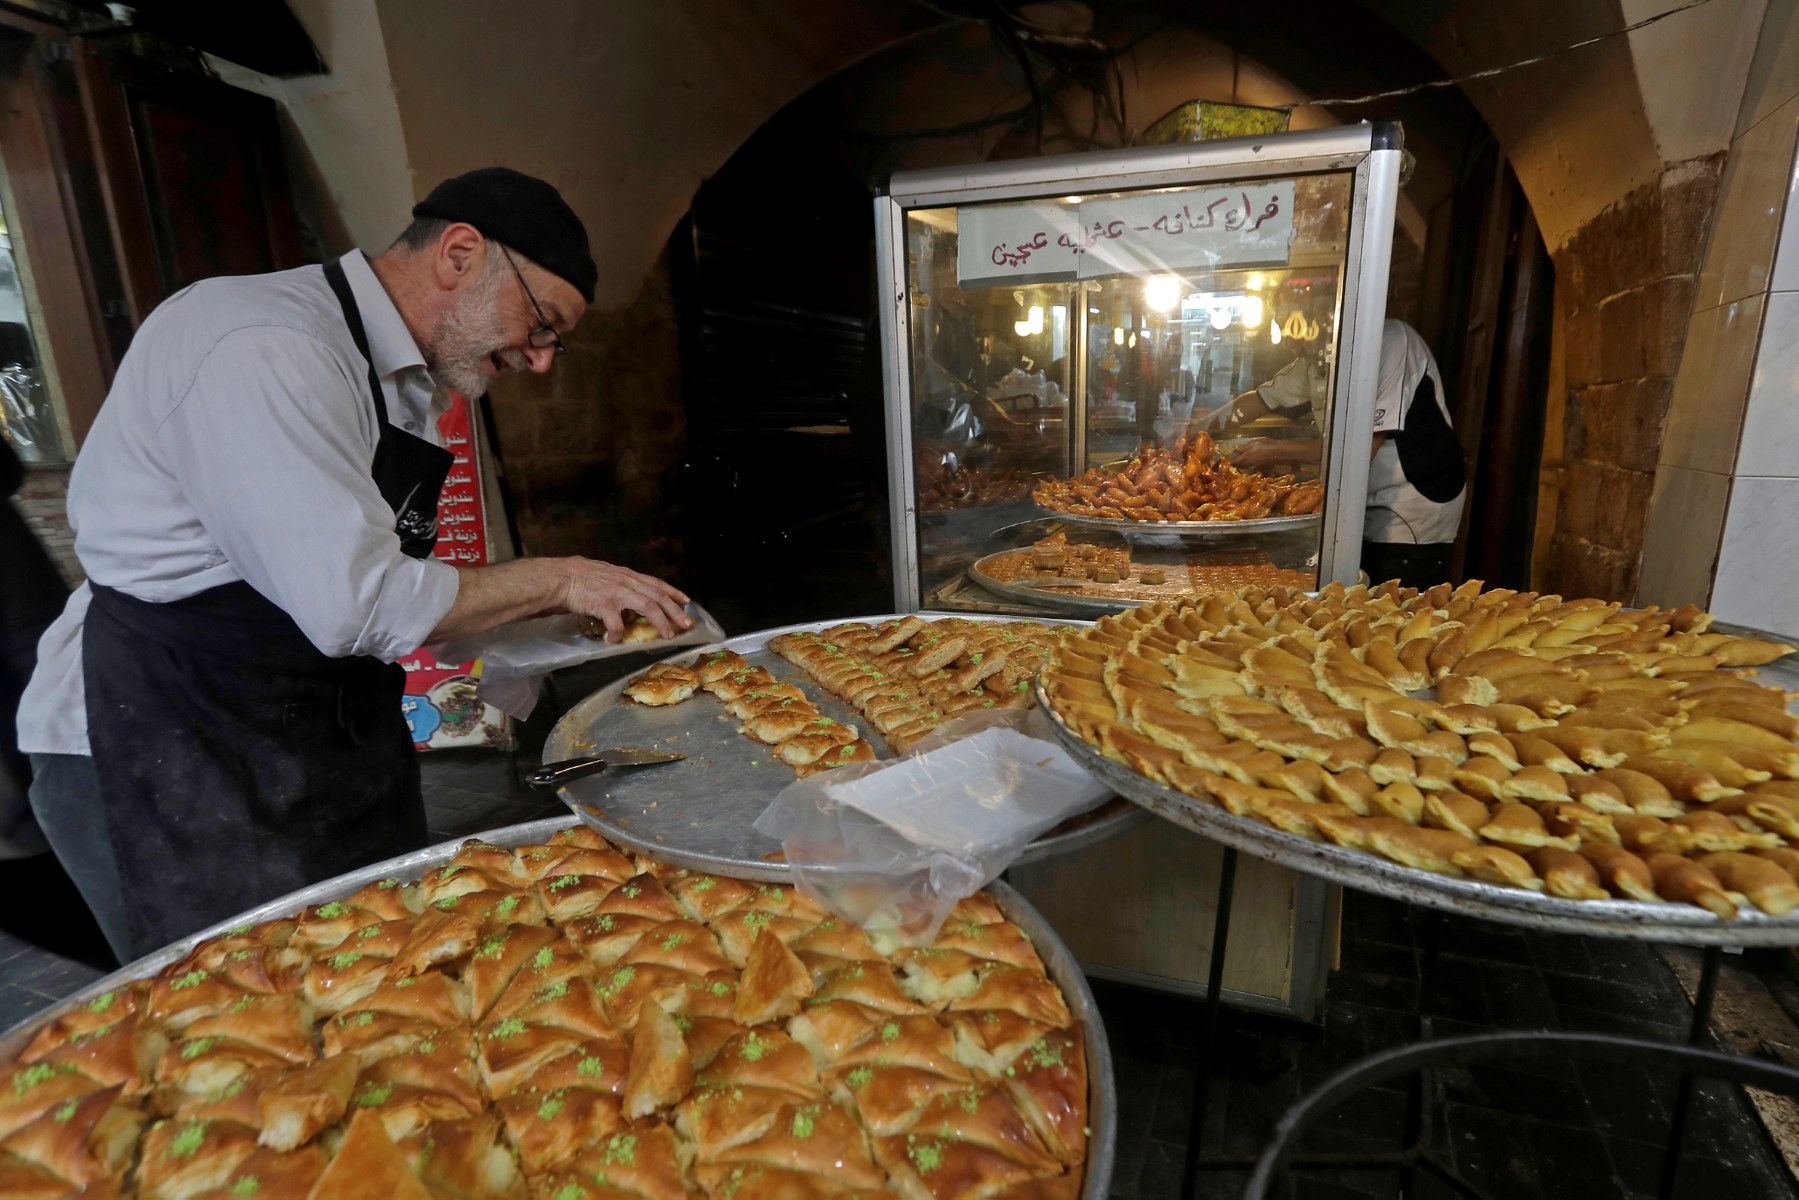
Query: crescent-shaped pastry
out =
(1565, 874)
(1496, 864)
(1455, 812)
(1685, 881)
(1684, 781)
(1646, 795)
(1765, 883)
(1519, 825)
(1536, 782)
(1709, 830)
(1432, 850)
(1623, 872)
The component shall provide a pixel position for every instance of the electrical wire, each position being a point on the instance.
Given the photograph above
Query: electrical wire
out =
(1490, 72)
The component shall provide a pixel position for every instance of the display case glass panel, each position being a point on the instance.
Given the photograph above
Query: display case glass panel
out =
(1075, 367)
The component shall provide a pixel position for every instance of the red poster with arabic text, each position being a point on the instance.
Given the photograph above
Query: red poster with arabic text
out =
(440, 703)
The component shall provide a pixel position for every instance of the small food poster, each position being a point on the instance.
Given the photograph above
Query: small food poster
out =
(440, 704)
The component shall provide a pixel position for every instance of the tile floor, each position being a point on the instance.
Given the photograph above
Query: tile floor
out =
(1534, 1127)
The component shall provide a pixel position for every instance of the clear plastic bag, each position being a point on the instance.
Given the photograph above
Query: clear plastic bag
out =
(515, 657)
(891, 846)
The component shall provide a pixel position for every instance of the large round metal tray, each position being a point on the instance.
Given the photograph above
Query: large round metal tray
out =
(1188, 529)
(697, 813)
(1102, 1093)
(1683, 923)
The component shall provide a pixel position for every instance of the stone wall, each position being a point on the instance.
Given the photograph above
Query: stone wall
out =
(593, 450)
(1624, 284)
(44, 502)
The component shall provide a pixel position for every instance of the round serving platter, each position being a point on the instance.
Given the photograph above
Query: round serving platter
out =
(697, 813)
(1150, 530)
(1683, 923)
(1058, 962)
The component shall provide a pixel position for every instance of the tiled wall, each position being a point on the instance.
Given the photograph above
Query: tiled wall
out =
(1724, 517)
(44, 503)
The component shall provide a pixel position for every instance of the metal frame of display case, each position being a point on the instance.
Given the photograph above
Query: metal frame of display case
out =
(1370, 151)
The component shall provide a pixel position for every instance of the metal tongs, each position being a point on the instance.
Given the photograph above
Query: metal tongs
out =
(554, 775)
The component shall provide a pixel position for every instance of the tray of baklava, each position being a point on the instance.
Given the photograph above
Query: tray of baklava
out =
(537, 1013)
(754, 713)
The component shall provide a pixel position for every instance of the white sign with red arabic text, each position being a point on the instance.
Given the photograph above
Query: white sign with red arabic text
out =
(1240, 225)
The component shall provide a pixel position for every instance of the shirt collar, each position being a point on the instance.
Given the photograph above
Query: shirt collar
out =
(391, 347)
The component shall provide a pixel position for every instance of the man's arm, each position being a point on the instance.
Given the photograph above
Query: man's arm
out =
(529, 587)
(1268, 452)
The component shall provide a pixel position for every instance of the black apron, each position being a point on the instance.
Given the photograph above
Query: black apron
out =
(236, 761)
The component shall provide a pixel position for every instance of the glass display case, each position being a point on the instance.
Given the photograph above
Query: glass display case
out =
(1065, 344)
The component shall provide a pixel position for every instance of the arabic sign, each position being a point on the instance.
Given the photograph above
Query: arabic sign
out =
(440, 704)
(1239, 225)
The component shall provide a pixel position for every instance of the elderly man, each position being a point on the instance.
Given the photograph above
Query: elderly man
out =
(215, 718)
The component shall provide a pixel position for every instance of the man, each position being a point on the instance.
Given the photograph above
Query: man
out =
(1416, 479)
(215, 719)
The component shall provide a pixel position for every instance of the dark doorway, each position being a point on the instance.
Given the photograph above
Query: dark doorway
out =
(780, 361)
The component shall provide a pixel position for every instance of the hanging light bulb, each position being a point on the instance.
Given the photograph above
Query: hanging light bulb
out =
(1255, 281)
(1036, 320)
(1221, 318)
(1118, 336)
(1162, 292)
(1252, 312)
(1133, 342)
(1274, 332)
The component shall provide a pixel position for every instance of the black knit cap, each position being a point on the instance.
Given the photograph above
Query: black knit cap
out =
(525, 213)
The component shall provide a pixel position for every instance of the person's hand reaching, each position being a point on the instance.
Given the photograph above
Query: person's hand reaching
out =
(608, 591)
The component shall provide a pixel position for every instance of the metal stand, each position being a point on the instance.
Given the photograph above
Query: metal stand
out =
(1414, 1152)
(1208, 1038)
(1683, 1098)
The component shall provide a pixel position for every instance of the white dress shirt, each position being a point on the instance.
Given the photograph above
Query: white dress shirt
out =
(236, 444)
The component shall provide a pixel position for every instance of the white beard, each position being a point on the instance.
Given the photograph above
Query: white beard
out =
(470, 332)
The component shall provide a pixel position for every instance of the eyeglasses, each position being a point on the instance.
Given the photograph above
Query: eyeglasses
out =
(544, 337)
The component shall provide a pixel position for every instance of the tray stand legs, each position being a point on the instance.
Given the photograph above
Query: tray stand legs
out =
(1683, 1099)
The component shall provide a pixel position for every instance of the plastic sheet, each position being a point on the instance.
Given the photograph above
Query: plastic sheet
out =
(893, 845)
(516, 657)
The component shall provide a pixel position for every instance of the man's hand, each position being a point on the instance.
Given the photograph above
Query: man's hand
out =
(1263, 453)
(607, 591)
(537, 587)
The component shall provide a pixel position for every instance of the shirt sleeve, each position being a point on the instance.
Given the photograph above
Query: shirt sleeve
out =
(1289, 390)
(1390, 409)
(272, 449)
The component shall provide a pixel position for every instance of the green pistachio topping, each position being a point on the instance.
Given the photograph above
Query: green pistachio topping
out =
(754, 1048)
(191, 979)
(671, 941)
(388, 884)
(65, 1112)
(927, 1157)
(249, 1185)
(102, 1002)
(590, 1067)
(30, 1077)
(543, 958)
(504, 908)
(342, 961)
(551, 1106)
(188, 1141)
(860, 1078)
(802, 1124)
(332, 911)
(371, 1094)
(621, 1151)
(197, 1047)
(511, 1027)
(446, 904)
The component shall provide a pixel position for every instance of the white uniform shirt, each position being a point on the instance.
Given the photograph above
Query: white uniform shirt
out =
(1397, 510)
(236, 444)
